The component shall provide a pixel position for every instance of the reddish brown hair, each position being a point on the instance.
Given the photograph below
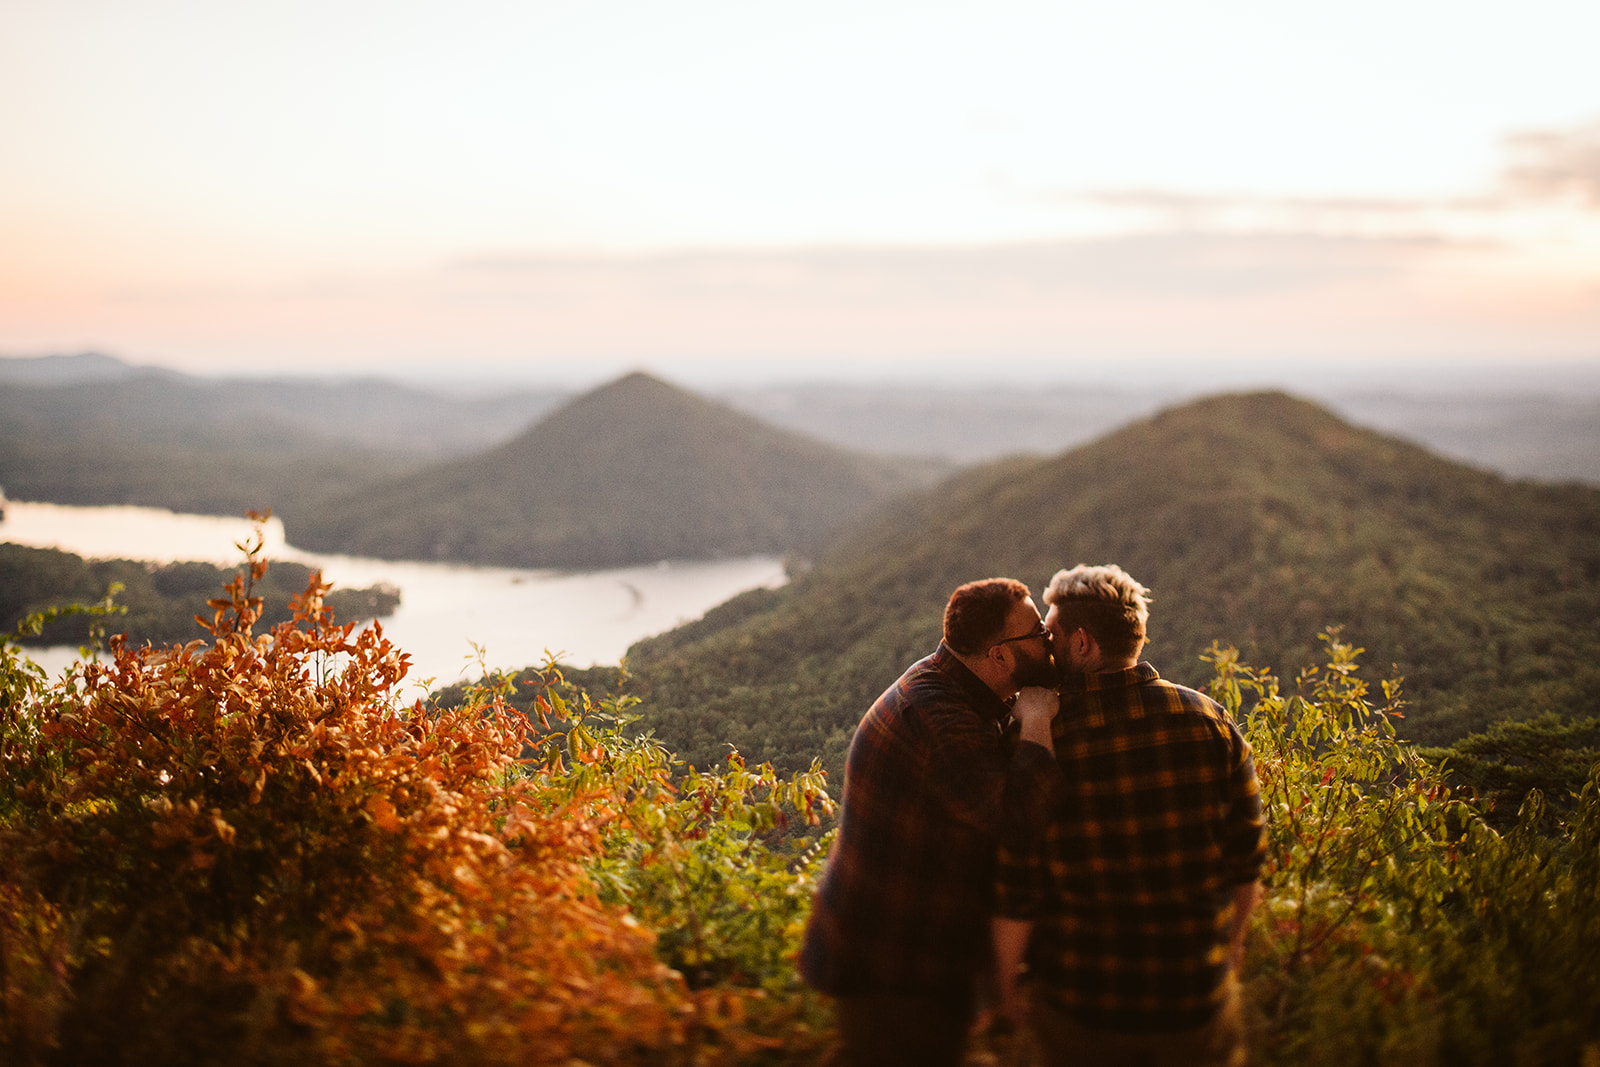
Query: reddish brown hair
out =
(976, 615)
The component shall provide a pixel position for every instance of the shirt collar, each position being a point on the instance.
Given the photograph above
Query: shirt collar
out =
(979, 696)
(1139, 674)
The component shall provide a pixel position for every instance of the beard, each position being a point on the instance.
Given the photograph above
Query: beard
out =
(1036, 671)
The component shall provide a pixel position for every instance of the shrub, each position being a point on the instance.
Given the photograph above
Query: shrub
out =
(251, 852)
(1398, 926)
(715, 864)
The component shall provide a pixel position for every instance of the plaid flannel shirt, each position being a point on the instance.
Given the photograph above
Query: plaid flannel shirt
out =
(1158, 820)
(930, 784)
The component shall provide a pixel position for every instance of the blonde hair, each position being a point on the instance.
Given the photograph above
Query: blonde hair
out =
(1106, 601)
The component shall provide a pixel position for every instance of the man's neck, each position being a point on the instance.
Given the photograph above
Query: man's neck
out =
(1099, 666)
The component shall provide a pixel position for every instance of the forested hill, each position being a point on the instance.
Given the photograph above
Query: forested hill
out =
(160, 601)
(90, 429)
(635, 471)
(1256, 521)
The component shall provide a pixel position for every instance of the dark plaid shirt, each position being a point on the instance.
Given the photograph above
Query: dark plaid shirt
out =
(1158, 821)
(930, 783)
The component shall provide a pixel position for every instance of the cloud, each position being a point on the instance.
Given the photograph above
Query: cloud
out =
(1351, 217)
(1547, 192)
(1006, 307)
(1556, 163)
(1144, 295)
(1140, 265)
(1549, 169)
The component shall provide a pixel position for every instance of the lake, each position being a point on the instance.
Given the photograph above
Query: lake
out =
(513, 615)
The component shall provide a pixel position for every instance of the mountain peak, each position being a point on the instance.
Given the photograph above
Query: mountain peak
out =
(634, 471)
(642, 390)
(633, 383)
(638, 379)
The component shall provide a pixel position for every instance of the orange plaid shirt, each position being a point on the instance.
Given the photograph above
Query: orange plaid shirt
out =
(1158, 820)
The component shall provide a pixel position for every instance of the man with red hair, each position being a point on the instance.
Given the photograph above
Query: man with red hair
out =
(899, 934)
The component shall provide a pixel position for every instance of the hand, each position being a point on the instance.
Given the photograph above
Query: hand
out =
(1244, 901)
(1035, 704)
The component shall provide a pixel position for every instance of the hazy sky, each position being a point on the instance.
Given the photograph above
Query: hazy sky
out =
(753, 189)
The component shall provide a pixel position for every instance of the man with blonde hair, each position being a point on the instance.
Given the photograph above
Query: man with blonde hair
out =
(899, 934)
(1131, 906)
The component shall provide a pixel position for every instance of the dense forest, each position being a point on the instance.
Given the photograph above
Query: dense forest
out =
(157, 603)
(1256, 520)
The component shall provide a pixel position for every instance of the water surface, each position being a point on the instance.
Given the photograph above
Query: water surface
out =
(514, 615)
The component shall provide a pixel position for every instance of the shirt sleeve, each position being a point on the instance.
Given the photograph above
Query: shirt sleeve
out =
(978, 783)
(1245, 836)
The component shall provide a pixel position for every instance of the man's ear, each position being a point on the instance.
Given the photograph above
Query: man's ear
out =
(1090, 648)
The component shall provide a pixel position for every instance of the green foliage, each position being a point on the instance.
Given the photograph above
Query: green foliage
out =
(1398, 926)
(25, 685)
(1347, 807)
(1506, 762)
(710, 861)
(1514, 949)
(159, 602)
(524, 689)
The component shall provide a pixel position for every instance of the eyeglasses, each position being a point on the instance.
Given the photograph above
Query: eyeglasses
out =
(1040, 632)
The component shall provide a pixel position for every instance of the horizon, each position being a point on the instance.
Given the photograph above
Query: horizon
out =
(1239, 194)
(1167, 380)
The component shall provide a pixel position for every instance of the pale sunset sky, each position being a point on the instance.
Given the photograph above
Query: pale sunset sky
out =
(554, 190)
